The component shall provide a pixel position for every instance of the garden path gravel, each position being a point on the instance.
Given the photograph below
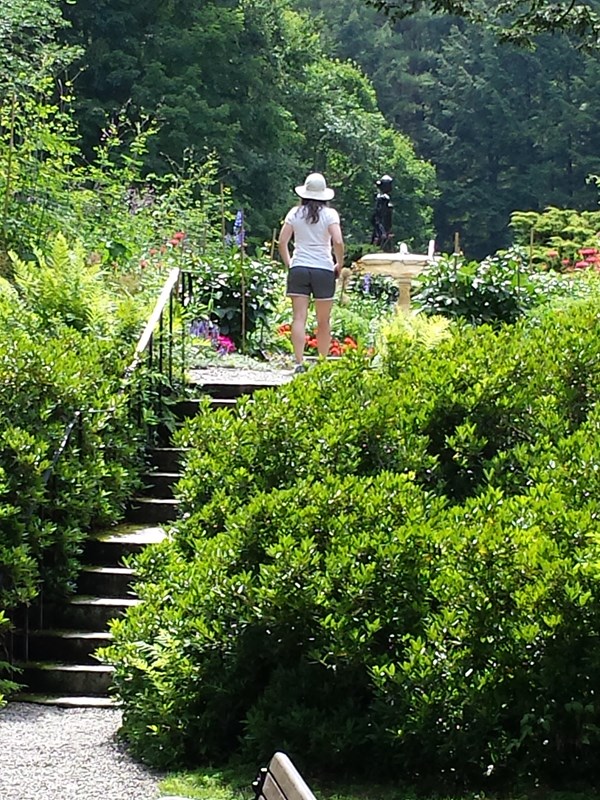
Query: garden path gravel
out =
(50, 753)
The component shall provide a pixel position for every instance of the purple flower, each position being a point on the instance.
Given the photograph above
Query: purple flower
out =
(204, 329)
(238, 228)
(207, 330)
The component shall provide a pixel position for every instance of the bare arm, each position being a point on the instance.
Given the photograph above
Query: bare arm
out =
(337, 241)
(283, 243)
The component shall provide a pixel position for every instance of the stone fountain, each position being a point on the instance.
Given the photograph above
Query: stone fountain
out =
(403, 266)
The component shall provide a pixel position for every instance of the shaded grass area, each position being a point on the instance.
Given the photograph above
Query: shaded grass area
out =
(235, 783)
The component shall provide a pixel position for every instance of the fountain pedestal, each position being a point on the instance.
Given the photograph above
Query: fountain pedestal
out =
(402, 266)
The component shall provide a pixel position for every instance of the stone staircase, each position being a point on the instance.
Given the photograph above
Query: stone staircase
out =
(55, 644)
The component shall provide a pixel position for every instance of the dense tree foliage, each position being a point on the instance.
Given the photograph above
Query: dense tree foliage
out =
(507, 128)
(250, 82)
(514, 20)
(256, 83)
(28, 44)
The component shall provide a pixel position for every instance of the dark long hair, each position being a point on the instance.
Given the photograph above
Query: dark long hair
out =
(312, 209)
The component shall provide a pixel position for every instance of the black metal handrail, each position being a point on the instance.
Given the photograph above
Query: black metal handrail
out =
(74, 424)
(144, 348)
(157, 319)
(153, 346)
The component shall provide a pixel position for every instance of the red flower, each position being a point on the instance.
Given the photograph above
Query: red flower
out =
(588, 251)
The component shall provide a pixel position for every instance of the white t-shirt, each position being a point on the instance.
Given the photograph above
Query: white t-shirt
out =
(312, 242)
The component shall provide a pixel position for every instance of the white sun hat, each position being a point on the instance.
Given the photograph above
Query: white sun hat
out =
(314, 188)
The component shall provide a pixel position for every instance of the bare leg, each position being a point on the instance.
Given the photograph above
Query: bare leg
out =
(323, 311)
(300, 305)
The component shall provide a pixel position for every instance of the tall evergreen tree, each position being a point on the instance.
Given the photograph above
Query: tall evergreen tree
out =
(506, 127)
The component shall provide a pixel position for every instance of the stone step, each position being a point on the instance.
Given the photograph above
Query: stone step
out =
(152, 510)
(223, 402)
(110, 547)
(226, 383)
(106, 581)
(185, 409)
(65, 646)
(67, 700)
(160, 484)
(167, 459)
(57, 653)
(83, 613)
(232, 391)
(46, 677)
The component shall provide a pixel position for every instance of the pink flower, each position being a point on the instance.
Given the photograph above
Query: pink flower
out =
(177, 238)
(552, 254)
(588, 251)
(224, 344)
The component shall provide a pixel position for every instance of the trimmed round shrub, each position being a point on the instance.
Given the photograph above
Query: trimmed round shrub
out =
(386, 569)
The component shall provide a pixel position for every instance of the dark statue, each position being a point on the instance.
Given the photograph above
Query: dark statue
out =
(382, 216)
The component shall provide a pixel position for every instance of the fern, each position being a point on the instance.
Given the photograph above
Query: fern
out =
(413, 329)
(62, 286)
(403, 334)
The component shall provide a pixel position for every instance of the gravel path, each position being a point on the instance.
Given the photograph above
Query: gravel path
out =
(49, 753)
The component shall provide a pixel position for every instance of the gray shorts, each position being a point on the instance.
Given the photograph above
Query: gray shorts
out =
(307, 281)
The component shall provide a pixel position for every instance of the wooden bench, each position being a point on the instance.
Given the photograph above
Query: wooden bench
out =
(280, 780)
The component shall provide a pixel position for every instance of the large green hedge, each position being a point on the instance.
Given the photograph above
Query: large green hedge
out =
(63, 352)
(392, 568)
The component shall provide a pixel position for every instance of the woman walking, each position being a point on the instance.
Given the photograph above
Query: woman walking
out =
(313, 270)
